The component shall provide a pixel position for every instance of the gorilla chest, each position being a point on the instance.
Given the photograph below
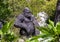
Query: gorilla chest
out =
(28, 22)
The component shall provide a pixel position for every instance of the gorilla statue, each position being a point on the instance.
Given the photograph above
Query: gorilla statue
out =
(57, 14)
(27, 23)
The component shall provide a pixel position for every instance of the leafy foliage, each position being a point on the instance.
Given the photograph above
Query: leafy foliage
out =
(14, 7)
(4, 11)
(6, 33)
(35, 6)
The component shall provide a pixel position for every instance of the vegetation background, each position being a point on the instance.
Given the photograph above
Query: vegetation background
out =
(9, 9)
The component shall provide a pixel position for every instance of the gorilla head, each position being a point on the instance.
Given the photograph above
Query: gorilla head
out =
(27, 12)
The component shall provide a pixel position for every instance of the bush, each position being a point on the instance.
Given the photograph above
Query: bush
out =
(4, 11)
(34, 5)
(7, 35)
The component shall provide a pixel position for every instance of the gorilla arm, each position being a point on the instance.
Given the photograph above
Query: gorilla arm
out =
(19, 22)
(35, 21)
(37, 32)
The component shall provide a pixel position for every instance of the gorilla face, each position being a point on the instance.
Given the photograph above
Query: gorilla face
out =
(27, 14)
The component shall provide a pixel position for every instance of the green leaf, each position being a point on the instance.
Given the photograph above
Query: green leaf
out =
(7, 26)
(0, 32)
(58, 27)
(47, 30)
(4, 29)
(51, 23)
(41, 36)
